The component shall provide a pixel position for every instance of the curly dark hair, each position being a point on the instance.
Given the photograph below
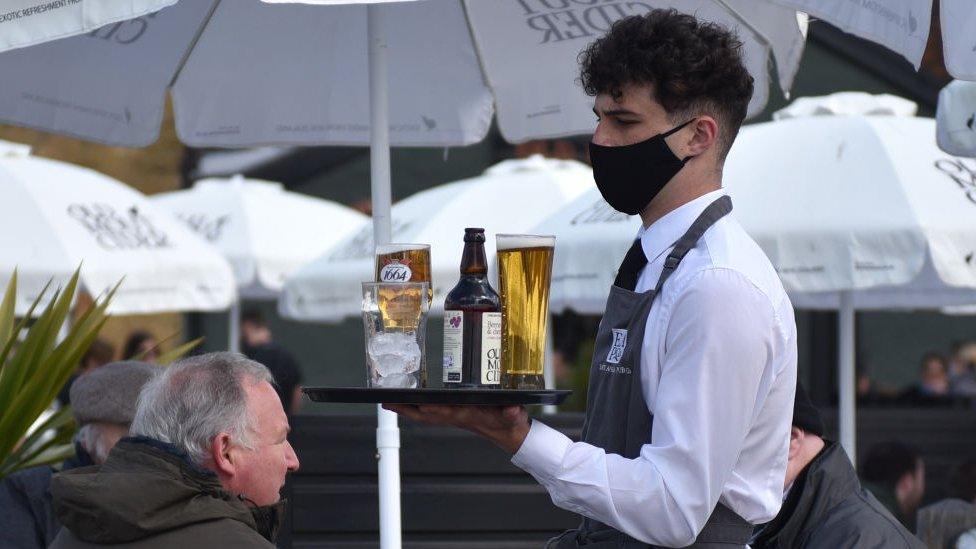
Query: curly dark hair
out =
(694, 67)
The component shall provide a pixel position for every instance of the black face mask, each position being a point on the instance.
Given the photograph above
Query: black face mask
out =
(630, 176)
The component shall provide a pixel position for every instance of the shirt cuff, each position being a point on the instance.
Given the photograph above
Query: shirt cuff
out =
(542, 451)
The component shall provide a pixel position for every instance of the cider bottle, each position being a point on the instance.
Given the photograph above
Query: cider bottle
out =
(473, 322)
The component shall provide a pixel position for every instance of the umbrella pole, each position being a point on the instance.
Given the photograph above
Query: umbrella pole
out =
(387, 432)
(234, 326)
(846, 335)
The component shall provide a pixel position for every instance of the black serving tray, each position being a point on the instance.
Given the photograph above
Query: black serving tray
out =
(461, 397)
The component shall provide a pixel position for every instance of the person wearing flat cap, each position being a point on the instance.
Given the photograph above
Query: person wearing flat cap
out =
(824, 505)
(103, 404)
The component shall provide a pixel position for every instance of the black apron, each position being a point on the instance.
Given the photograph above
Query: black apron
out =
(617, 418)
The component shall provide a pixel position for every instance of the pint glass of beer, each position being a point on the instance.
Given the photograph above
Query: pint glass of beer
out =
(404, 263)
(524, 272)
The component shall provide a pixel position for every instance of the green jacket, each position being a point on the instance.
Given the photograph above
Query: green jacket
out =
(148, 495)
(827, 509)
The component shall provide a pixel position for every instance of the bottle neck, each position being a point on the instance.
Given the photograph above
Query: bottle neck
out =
(473, 259)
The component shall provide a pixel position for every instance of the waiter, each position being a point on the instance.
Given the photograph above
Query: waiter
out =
(691, 386)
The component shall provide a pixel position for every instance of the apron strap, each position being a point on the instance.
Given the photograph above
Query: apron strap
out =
(724, 529)
(715, 211)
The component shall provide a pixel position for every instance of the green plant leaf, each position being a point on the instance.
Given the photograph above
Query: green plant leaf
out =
(179, 352)
(52, 455)
(9, 345)
(59, 419)
(16, 370)
(33, 372)
(42, 337)
(62, 363)
(7, 311)
(38, 345)
(22, 459)
(60, 425)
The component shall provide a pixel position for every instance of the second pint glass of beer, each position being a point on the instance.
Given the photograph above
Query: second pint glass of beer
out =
(404, 263)
(524, 272)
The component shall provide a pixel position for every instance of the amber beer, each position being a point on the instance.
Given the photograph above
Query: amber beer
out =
(402, 263)
(524, 273)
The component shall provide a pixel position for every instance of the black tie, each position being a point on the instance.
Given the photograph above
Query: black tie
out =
(631, 267)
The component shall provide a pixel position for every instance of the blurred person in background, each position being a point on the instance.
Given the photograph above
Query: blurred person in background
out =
(933, 383)
(103, 405)
(99, 354)
(141, 345)
(257, 344)
(895, 473)
(945, 522)
(962, 369)
(203, 466)
(824, 506)
(867, 389)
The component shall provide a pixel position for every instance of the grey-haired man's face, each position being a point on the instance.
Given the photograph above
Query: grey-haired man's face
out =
(260, 473)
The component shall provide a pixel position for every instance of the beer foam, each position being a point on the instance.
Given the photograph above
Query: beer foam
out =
(394, 247)
(518, 241)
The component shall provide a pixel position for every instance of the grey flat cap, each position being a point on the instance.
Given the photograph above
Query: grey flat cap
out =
(108, 393)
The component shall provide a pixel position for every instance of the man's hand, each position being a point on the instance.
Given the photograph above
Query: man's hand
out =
(505, 426)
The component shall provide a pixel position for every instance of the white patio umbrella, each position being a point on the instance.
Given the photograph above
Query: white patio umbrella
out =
(510, 197)
(299, 75)
(848, 103)
(854, 212)
(903, 27)
(56, 216)
(29, 22)
(264, 231)
(956, 118)
(869, 214)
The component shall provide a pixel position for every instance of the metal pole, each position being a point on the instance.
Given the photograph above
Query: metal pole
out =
(387, 432)
(846, 337)
(234, 326)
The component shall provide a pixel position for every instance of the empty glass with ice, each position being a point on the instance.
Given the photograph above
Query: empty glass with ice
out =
(395, 322)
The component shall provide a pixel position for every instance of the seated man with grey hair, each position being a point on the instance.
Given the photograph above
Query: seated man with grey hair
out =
(203, 466)
(103, 404)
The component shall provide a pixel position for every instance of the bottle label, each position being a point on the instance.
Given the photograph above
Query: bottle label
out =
(453, 342)
(397, 270)
(491, 348)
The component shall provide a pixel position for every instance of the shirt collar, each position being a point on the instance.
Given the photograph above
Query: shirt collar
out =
(665, 232)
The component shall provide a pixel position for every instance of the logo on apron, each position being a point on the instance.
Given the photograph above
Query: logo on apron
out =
(616, 351)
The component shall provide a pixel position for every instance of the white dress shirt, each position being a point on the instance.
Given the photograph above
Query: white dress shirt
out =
(718, 370)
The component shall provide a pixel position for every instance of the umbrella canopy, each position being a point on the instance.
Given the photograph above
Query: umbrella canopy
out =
(848, 103)
(29, 22)
(862, 204)
(299, 76)
(56, 216)
(866, 204)
(510, 197)
(264, 231)
(956, 120)
(903, 27)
